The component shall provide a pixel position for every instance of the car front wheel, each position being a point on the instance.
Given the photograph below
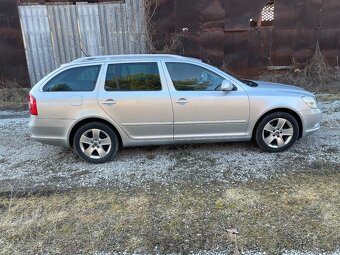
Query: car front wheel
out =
(277, 132)
(95, 142)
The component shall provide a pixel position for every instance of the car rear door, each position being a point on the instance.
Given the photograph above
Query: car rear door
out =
(136, 97)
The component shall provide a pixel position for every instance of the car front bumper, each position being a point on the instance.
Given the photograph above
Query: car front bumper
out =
(311, 121)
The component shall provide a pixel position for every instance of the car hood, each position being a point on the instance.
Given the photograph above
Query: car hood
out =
(271, 85)
(281, 88)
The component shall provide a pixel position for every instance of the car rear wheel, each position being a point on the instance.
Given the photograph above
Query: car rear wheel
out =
(95, 142)
(277, 132)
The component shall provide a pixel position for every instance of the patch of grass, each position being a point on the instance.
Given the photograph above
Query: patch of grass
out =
(12, 95)
(297, 212)
(317, 75)
(292, 78)
(328, 97)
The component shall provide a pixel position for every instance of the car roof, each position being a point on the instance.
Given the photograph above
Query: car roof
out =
(137, 57)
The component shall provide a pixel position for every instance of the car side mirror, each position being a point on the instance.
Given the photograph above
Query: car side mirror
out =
(227, 85)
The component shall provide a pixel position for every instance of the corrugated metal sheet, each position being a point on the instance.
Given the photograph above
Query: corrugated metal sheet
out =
(37, 41)
(56, 34)
(64, 33)
(114, 31)
(89, 29)
(122, 33)
(135, 26)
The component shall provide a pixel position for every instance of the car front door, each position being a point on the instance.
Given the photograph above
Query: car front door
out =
(136, 97)
(201, 109)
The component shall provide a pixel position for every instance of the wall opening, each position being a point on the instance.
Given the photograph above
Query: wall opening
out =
(267, 15)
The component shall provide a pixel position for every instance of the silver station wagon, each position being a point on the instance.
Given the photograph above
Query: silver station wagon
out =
(99, 104)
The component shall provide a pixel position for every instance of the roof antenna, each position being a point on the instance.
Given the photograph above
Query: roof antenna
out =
(86, 55)
(81, 48)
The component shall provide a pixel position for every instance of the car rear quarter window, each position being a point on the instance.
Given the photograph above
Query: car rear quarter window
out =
(133, 77)
(74, 79)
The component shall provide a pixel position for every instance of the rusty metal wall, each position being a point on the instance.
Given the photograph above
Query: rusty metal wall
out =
(216, 30)
(12, 54)
(58, 33)
(219, 31)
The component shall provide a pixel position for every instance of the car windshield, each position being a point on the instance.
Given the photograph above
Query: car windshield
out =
(244, 81)
(232, 75)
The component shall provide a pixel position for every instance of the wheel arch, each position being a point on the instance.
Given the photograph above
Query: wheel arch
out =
(286, 110)
(89, 120)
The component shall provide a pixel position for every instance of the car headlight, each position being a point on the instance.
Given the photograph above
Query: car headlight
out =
(310, 101)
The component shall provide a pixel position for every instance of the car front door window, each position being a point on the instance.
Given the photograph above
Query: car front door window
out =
(189, 77)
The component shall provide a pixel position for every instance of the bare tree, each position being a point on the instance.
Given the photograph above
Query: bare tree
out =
(173, 45)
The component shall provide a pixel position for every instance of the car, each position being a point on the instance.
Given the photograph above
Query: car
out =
(97, 105)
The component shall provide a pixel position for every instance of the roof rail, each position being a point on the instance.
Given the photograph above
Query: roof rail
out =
(129, 56)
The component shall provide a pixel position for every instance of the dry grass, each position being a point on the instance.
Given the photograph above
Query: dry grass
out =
(328, 97)
(300, 212)
(317, 75)
(12, 95)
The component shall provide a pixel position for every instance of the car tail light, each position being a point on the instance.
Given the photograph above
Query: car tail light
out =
(33, 105)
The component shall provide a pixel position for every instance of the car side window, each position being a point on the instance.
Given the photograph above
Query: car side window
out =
(74, 79)
(133, 77)
(191, 77)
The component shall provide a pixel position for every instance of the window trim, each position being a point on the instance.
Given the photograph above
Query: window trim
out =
(61, 69)
(160, 71)
(195, 64)
(235, 80)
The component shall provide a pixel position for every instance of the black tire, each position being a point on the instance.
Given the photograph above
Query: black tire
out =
(93, 149)
(282, 138)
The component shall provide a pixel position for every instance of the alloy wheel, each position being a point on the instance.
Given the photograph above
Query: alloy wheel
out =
(277, 132)
(95, 143)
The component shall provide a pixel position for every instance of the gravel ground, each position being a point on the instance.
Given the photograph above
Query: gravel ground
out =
(229, 252)
(26, 165)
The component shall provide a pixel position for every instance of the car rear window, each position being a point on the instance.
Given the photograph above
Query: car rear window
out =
(133, 77)
(74, 79)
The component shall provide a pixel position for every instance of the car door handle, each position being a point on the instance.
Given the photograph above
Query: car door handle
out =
(182, 101)
(109, 102)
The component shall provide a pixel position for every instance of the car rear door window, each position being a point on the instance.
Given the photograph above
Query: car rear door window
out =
(133, 77)
(74, 79)
(191, 77)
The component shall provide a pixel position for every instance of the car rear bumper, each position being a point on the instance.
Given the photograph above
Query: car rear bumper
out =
(50, 131)
(311, 121)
